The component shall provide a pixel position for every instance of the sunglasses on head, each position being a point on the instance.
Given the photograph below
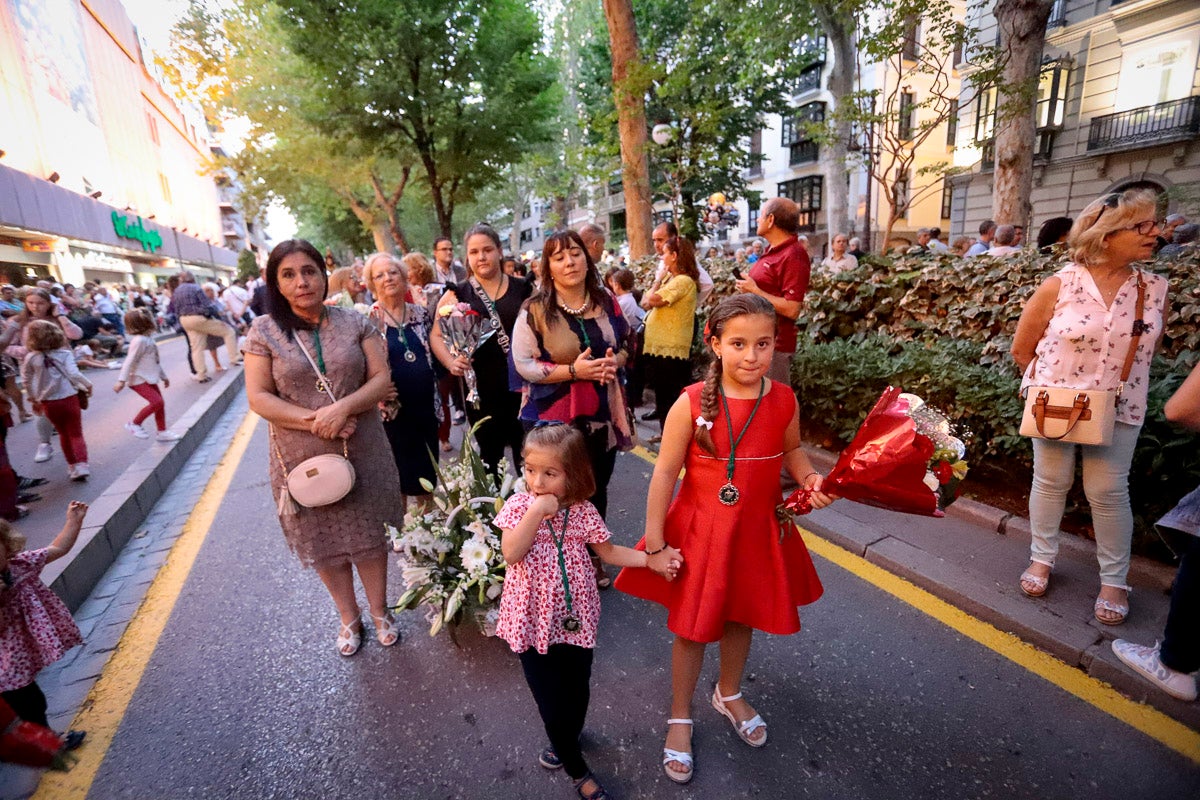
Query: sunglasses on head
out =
(1112, 201)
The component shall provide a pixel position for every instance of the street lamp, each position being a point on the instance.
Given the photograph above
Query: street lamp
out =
(662, 134)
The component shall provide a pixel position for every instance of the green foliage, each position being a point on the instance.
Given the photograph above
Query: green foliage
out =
(713, 73)
(247, 265)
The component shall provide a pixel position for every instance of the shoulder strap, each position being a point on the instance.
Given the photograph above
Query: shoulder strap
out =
(323, 380)
(1139, 327)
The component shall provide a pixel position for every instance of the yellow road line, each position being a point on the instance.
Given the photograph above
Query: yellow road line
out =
(1100, 695)
(105, 707)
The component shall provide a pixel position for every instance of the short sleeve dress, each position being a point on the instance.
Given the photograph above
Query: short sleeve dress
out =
(534, 604)
(352, 528)
(737, 566)
(36, 629)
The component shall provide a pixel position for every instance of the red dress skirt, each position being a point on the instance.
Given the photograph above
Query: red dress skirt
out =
(737, 568)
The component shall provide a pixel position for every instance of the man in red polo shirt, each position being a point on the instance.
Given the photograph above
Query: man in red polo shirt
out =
(781, 276)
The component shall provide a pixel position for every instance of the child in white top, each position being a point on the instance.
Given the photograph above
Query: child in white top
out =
(142, 372)
(550, 607)
(53, 381)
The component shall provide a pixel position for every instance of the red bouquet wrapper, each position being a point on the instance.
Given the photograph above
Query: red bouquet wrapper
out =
(28, 744)
(884, 466)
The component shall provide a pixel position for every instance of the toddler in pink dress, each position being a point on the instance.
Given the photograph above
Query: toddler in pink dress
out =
(36, 629)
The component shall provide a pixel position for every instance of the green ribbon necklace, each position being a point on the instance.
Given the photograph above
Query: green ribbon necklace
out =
(729, 494)
(322, 381)
(570, 622)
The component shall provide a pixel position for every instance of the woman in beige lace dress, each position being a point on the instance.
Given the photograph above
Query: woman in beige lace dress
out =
(282, 387)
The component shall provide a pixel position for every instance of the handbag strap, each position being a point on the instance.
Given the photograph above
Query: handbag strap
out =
(47, 359)
(279, 455)
(320, 375)
(1082, 401)
(1139, 327)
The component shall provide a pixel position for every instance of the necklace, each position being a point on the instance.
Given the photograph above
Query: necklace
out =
(575, 312)
(322, 381)
(729, 494)
(570, 622)
(409, 355)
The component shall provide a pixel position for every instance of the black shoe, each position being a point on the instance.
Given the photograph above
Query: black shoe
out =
(549, 759)
(649, 416)
(72, 739)
(28, 497)
(460, 418)
(24, 484)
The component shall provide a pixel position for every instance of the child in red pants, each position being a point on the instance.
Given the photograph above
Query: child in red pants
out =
(54, 383)
(142, 372)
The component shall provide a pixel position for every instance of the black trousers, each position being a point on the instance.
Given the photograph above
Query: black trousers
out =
(560, 682)
(603, 460)
(29, 703)
(1181, 637)
(668, 378)
(503, 430)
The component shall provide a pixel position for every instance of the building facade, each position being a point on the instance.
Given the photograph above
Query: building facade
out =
(1118, 107)
(104, 175)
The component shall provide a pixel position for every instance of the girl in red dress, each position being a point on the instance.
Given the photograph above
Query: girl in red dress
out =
(551, 607)
(740, 571)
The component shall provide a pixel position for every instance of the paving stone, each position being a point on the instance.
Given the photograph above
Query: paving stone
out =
(841, 529)
(86, 668)
(105, 637)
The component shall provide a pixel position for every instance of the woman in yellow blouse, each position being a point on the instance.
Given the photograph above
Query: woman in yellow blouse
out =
(670, 326)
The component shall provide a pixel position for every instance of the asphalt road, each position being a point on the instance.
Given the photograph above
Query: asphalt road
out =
(110, 447)
(244, 697)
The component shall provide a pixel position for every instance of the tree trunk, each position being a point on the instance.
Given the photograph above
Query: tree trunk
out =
(629, 95)
(838, 28)
(390, 204)
(379, 229)
(1022, 35)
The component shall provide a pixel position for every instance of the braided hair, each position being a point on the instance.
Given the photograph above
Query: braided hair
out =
(739, 305)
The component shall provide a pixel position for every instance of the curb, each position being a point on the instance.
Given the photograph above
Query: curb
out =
(116, 514)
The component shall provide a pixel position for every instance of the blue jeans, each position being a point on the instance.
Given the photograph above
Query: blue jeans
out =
(117, 321)
(1181, 637)
(1106, 484)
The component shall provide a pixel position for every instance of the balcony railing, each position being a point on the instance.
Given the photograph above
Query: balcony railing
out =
(1178, 119)
(803, 152)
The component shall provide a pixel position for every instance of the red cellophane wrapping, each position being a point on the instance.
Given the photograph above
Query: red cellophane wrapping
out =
(28, 744)
(884, 466)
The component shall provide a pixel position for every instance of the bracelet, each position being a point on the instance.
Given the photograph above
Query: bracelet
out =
(571, 369)
(809, 475)
(656, 552)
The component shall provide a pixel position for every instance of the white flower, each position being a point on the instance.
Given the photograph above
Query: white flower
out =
(495, 590)
(415, 576)
(475, 556)
(477, 530)
(932, 482)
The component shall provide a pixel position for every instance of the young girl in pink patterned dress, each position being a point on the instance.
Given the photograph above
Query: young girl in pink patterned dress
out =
(36, 629)
(550, 607)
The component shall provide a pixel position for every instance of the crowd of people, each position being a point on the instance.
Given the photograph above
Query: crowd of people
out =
(350, 368)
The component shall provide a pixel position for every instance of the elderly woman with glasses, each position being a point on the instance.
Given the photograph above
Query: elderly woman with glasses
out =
(1075, 332)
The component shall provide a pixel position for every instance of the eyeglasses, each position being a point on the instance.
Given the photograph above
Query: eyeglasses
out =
(1144, 228)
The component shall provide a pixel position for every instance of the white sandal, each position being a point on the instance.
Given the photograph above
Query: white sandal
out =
(678, 756)
(349, 639)
(386, 630)
(1120, 609)
(742, 729)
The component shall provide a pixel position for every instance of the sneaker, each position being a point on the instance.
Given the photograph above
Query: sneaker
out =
(111, 365)
(137, 430)
(30, 483)
(80, 471)
(44, 451)
(460, 418)
(1145, 661)
(168, 436)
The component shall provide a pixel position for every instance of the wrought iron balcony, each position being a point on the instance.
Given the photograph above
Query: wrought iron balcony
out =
(1148, 125)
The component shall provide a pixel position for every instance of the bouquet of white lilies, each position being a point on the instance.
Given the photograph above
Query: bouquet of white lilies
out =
(450, 555)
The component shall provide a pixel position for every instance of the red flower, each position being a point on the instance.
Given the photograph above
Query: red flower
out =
(943, 472)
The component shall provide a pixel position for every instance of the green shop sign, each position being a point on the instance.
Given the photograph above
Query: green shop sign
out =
(149, 239)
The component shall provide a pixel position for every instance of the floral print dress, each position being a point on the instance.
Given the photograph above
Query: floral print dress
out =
(36, 629)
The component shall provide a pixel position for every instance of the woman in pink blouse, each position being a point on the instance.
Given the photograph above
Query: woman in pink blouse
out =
(1075, 332)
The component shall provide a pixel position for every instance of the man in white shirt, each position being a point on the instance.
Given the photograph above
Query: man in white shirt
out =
(236, 300)
(839, 260)
(445, 271)
(1004, 241)
(936, 245)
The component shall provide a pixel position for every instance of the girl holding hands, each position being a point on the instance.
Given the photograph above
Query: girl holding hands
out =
(550, 608)
(739, 571)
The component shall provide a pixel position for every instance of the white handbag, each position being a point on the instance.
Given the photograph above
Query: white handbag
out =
(318, 481)
(1081, 416)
